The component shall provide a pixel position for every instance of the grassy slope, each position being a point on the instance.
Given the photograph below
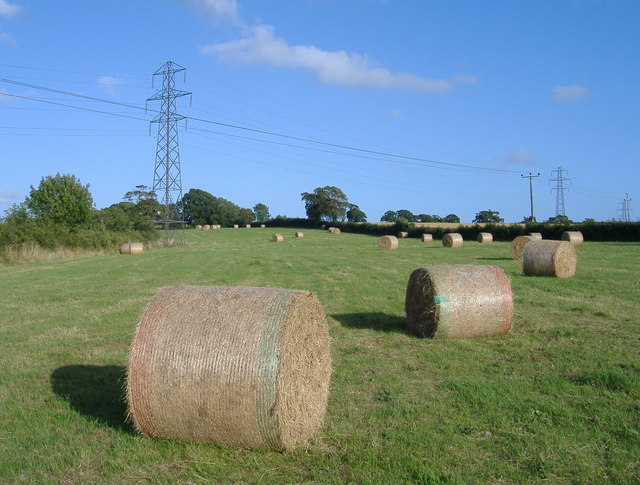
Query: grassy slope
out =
(557, 399)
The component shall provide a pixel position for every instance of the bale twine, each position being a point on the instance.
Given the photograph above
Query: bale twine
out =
(132, 248)
(241, 367)
(485, 237)
(199, 227)
(518, 245)
(549, 258)
(206, 227)
(574, 237)
(459, 300)
(388, 243)
(535, 235)
(403, 235)
(299, 234)
(427, 238)
(452, 240)
(277, 238)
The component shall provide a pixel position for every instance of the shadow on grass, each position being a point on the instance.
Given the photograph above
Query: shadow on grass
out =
(95, 391)
(375, 321)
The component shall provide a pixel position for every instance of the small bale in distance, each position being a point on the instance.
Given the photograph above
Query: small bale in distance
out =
(536, 235)
(459, 300)
(485, 237)
(574, 237)
(132, 248)
(233, 366)
(299, 234)
(517, 246)
(549, 258)
(388, 243)
(236, 226)
(263, 226)
(427, 237)
(277, 238)
(206, 227)
(403, 235)
(199, 227)
(452, 240)
(334, 230)
(248, 226)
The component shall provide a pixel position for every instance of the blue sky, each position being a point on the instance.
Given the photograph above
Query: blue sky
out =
(437, 107)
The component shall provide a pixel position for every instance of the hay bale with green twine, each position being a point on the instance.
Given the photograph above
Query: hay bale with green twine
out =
(536, 235)
(427, 237)
(574, 237)
(459, 300)
(485, 238)
(549, 258)
(388, 243)
(240, 367)
(277, 238)
(517, 246)
(452, 240)
(132, 248)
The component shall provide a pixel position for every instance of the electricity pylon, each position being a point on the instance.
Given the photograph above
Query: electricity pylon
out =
(560, 188)
(167, 179)
(625, 210)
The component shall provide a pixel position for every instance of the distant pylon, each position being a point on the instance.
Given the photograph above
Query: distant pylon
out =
(560, 188)
(625, 210)
(167, 179)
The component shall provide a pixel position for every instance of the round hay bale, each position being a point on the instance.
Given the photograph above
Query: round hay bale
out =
(241, 367)
(236, 226)
(427, 238)
(388, 243)
(277, 238)
(334, 230)
(485, 237)
(535, 235)
(262, 226)
(215, 226)
(248, 226)
(452, 240)
(574, 237)
(549, 258)
(518, 245)
(299, 234)
(459, 300)
(206, 227)
(199, 227)
(403, 235)
(132, 248)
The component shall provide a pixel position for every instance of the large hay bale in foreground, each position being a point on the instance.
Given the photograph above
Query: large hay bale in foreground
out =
(388, 243)
(485, 237)
(240, 367)
(517, 246)
(549, 258)
(132, 248)
(299, 234)
(458, 300)
(536, 235)
(427, 237)
(574, 237)
(452, 240)
(277, 238)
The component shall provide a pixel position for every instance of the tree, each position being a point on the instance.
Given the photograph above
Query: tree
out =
(451, 218)
(354, 214)
(424, 218)
(488, 216)
(406, 215)
(245, 216)
(326, 204)
(559, 219)
(144, 199)
(262, 212)
(389, 216)
(198, 206)
(61, 199)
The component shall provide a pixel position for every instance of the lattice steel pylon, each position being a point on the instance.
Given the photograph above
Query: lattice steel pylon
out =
(560, 188)
(167, 179)
(625, 210)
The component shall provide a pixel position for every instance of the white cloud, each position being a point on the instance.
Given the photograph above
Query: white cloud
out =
(215, 11)
(8, 10)
(8, 196)
(7, 39)
(338, 67)
(108, 84)
(563, 94)
(521, 156)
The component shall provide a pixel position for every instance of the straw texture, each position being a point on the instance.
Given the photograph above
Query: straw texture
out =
(452, 240)
(240, 367)
(427, 238)
(549, 258)
(132, 248)
(388, 243)
(277, 238)
(535, 235)
(458, 300)
(485, 237)
(518, 245)
(574, 237)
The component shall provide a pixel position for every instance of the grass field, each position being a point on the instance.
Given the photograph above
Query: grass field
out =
(557, 400)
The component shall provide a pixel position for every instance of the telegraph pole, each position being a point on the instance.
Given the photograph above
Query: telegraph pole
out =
(559, 188)
(167, 179)
(531, 177)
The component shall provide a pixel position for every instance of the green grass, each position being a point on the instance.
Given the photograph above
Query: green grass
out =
(555, 401)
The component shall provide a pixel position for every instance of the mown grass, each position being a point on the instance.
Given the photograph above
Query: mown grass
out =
(557, 400)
